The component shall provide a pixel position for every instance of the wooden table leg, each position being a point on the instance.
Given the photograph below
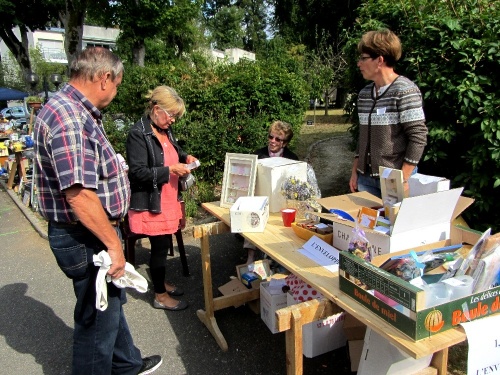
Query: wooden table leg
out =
(440, 361)
(207, 316)
(293, 339)
(18, 166)
(12, 174)
(291, 319)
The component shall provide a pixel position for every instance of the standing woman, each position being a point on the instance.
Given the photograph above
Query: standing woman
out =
(392, 131)
(156, 162)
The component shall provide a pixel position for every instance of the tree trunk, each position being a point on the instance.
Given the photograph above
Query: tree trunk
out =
(19, 48)
(73, 19)
(139, 52)
(327, 102)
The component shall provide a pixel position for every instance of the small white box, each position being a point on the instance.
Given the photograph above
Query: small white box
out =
(420, 221)
(322, 335)
(421, 184)
(380, 357)
(249, 214)
(269, 303)
(271, 173)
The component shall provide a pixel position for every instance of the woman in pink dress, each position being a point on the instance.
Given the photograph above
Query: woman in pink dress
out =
(155, 164)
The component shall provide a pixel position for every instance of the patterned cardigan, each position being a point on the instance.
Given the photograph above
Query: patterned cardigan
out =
(391, 127)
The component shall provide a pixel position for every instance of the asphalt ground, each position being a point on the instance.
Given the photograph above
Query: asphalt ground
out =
(37, 301)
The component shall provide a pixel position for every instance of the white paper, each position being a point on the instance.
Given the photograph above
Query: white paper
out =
(193, 165)
(381, 229)
(276, 286)
(425, 179)
(484, 346)
(322, 253)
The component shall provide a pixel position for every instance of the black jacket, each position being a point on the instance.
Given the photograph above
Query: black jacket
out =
(263, 153)
(146, 172)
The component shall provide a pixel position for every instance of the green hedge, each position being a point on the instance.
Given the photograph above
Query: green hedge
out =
(229, 106)
(451, 50)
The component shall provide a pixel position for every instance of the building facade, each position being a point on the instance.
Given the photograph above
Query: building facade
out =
(51, 41)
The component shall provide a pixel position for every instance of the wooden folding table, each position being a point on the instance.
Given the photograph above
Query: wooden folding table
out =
(282, 245)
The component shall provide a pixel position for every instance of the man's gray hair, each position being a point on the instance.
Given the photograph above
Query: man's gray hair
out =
(94, 62)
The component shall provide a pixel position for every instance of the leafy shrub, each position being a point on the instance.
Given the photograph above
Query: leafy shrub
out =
(229, 107)
(451, 50)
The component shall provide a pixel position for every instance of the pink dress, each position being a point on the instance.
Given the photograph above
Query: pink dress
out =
(166, 222)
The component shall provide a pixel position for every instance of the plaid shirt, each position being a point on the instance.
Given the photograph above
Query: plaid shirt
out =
(71, 148)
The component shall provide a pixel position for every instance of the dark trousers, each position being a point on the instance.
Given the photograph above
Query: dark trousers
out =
(102, 343)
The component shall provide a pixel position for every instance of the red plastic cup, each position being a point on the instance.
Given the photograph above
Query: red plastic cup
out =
(288, 215)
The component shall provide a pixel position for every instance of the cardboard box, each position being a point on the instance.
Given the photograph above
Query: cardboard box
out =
(233, 287)
(355, 350)
(380, 357)
(261, 267)
(421, 220)
(249, 214)
(421, 184)
(269, 303)
(353, 328)
(418, 322)
(323, 335)
(271, 173)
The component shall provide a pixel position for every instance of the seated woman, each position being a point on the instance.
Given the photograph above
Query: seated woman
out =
(280, 135)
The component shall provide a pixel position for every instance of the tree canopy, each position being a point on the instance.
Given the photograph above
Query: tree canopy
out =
(27, 15)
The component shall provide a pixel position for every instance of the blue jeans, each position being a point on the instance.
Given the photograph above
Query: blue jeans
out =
(369, 184)
(102, 343)
(372, 184)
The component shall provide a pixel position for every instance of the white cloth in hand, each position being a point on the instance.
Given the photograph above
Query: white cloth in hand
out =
(131, 279)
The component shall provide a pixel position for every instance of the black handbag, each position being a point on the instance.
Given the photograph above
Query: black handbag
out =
(186, 182)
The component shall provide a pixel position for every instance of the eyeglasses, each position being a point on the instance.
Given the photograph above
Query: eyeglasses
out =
(277, 139)
(173, 117)
(364, 58)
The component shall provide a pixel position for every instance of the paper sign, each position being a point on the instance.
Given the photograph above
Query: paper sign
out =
(484, 346)
(322, 253)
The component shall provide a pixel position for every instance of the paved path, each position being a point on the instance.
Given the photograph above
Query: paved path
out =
(36, 307)
(332, 163)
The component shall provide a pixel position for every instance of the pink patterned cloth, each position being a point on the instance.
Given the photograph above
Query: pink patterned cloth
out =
(166, 222)
(301, 291)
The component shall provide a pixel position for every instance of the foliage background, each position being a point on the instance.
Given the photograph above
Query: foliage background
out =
(451, 50)
(229, 106)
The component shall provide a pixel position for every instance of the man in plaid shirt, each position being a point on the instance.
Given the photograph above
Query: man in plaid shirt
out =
(83, 193)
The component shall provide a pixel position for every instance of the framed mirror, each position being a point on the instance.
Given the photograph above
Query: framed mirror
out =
(240, 171)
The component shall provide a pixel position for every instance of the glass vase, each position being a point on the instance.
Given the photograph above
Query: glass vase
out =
(300, 207)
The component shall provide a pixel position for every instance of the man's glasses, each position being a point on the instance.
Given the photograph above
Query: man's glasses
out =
(364, 58)
(277, 139)
(174, 117)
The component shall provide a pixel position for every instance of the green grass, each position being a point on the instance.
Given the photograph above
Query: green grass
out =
(324, 126)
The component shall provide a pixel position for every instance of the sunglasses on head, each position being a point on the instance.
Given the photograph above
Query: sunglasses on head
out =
(271, 137)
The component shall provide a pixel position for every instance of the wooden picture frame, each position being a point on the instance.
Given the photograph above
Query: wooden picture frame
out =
(391, 185)
(240, 171)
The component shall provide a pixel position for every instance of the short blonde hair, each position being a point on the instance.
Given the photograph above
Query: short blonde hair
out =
(283, 127)
(381, 42)
(167, 98)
